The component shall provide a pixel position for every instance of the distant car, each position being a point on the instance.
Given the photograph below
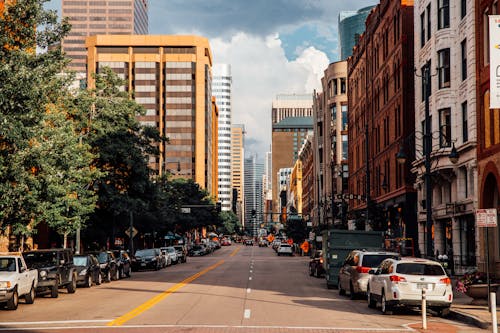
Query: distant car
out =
(353, 275)
(147, 259)
(225, 242)
(249, 242)
(88, 269)
(198, 250)
(316, 267)
(124, 263)
(181, 252)
(285, 249)
(400, 283)
(262, 243)
(172, 253)
(109, 267)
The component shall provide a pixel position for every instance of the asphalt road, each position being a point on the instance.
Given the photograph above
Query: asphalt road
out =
(236, 289)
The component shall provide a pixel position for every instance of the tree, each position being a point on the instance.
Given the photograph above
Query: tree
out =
(229, 223)
(296, 229)
(44, 169)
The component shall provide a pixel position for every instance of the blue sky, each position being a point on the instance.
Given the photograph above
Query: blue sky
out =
(273, 46)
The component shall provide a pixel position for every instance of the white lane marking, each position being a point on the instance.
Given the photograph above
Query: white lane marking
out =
(249, 290)
(249, 277)
(247, 314)
(347, 329)
(251, 271)
(55, 322)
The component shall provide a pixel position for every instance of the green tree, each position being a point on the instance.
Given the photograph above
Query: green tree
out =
(44, 169)
(229, 223)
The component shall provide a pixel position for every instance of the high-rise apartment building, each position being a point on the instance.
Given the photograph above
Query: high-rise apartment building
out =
(171, 77)
(351, 26)
(253, 195)
(221, 89)
(237, 168)
(103, 17)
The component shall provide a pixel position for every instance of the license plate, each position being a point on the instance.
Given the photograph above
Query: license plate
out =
(143, 264)
(422, 286)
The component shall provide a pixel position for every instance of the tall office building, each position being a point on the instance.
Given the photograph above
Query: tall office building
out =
(351, 26)
(171, 77)
(221, 89)
(104, 17)
(253, 195)
(291, 119)
(237, 168)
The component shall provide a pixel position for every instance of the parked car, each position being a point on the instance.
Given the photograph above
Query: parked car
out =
(316, 267)
(225, 242)
(400, 283)
(262, 243)
(147, 259)
(88, 269)
(198, 250)
(181, 252)
(55, 270)
(353, 275)
(249, 242)
(124, 263)
(108, 264)
(16, 281)
(171, 253)
(285, 249)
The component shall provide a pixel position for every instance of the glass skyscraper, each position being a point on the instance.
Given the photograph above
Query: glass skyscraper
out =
(351, 26)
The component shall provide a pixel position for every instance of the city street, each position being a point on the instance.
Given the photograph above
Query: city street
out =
(236, 289)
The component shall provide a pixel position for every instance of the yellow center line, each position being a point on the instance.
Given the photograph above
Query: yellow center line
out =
(155, 300)
(234, 252)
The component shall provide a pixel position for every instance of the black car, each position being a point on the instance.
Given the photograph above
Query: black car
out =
(316, 267)
(249, 242)
(55, 270)
(124, 263)
(109, 267)
(88, 269)
(147, 259)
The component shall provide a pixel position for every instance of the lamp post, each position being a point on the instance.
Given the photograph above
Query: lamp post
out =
(453, 157)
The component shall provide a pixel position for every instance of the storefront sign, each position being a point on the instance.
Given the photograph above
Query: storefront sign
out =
(486, 218)
(494, 21)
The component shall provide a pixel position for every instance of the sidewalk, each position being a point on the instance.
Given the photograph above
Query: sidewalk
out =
(473, 314)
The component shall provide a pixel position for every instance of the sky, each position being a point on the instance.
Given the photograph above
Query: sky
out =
(273, 47)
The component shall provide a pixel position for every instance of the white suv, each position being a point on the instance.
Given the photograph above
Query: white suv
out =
(400, 282)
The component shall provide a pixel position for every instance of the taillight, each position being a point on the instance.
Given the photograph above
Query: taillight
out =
(321, 260)
(361, 269)
(445, 281)
(397, 278)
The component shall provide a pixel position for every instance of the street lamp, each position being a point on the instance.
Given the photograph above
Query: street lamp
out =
(453, 157)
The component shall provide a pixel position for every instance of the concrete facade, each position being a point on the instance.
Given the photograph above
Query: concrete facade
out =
(237, 168)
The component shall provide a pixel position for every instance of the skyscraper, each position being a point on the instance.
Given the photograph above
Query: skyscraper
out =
(237, 168)
(351, 26)
(221, 89)
(104, 17)
(253, 195)
(171, 77)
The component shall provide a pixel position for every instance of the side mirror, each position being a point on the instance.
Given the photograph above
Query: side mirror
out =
(22, 270)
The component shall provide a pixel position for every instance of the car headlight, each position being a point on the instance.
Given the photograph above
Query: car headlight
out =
(83, 272)
(43, 274)
(5, 284)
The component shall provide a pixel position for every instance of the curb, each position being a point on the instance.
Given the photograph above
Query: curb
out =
(468, 319)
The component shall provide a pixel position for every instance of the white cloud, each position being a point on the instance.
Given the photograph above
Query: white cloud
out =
(260, 71)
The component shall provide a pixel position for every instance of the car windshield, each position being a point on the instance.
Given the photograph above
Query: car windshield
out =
(103, 258)
(145, 253)
(285, 245)
(40, 259)
(171, 249)
(420, 269)
(373, 260)
(178, 248)
(7, 265)
(80, 261)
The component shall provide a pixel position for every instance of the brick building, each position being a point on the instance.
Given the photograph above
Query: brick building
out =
(381, 120)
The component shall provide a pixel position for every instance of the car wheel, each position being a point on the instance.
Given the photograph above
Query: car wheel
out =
(99, 279)
(369, 297)
(30, 297)
(341, 290)
(88, 282)
(384, 307)
(54, 291)
(443, 312)
(352, 294)
(72, 285)
(108, 276)
(13, 302)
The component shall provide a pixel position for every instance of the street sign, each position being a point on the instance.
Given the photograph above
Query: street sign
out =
(486, 218)
(134, 232)
(185, 210)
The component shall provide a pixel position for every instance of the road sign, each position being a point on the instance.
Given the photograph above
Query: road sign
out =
(134, 232)
(290, 241)
(486, 218)
(185, 210)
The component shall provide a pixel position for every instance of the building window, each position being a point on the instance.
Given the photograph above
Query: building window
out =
(443, 14)
(427, 66)
(422, 29)
(428, 21)
(465, 123)
(344, 146)
(444, 68)
(445, 127)
(463, 47)
(344, 117)
(463, 8)
(342, 85)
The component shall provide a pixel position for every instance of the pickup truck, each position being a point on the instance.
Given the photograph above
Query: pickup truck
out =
(16, 280)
